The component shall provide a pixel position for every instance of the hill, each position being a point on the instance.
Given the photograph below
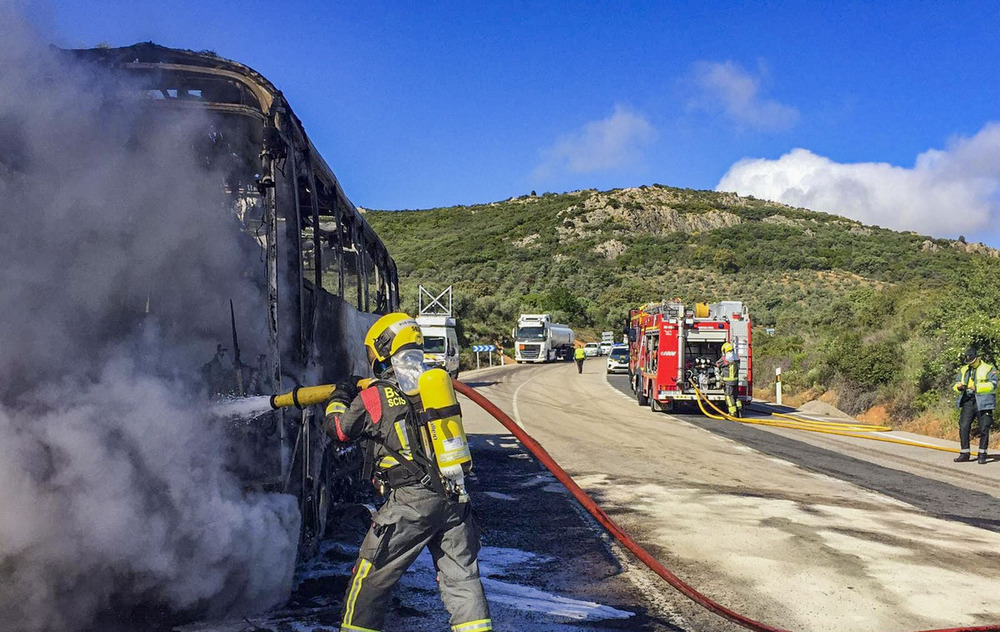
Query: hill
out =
(877, 317)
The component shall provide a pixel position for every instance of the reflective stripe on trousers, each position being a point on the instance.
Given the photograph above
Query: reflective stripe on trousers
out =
(483, 625)
(412, 519)
(344, 627)
(362, 570)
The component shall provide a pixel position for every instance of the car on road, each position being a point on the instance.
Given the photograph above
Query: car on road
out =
(618, 360)
(591, 350)
(605, 348)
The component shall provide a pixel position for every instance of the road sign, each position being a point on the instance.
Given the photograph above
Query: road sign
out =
(485, 349)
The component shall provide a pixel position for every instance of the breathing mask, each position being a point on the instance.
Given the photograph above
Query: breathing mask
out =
(408, 365)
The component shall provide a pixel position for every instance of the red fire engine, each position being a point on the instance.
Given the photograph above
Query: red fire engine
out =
(672, 348)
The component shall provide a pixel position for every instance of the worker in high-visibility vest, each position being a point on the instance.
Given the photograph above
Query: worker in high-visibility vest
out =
(729, 363)
(579, 355)
(424, 507)
(976, 385)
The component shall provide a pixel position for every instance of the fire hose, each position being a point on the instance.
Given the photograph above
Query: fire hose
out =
(619, 534)
(831, 428)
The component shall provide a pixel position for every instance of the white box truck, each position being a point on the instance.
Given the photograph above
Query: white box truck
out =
(538, 339)
(440, 342)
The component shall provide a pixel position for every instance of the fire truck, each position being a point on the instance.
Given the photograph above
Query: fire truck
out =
(673, 348)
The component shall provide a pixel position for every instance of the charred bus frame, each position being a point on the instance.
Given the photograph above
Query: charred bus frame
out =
(328, 275)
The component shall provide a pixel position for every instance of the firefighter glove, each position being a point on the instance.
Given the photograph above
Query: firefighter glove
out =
(346, 391)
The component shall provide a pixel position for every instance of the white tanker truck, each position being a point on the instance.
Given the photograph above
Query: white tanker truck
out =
(538, 339)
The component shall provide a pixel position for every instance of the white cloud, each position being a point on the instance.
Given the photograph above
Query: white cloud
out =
(727, 88)
(610, 143)
(946, 192)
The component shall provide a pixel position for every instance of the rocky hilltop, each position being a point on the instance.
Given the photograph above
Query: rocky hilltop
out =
(659, 210)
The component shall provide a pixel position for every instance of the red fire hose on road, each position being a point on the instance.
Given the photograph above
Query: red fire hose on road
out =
(592, 507)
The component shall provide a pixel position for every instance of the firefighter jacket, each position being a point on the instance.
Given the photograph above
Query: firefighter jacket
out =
(982, 381)
(730, 364)
(382, 414)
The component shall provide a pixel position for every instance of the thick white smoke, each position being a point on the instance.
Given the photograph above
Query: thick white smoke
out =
(117, 261)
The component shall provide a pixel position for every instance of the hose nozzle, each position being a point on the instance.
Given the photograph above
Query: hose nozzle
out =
(302, 396)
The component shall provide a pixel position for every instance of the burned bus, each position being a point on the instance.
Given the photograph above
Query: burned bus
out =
(323, 273)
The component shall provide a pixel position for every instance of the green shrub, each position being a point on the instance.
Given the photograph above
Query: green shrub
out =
(868, 365)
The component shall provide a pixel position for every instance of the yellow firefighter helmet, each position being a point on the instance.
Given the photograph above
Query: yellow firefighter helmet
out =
(727, 347)
(390, 334)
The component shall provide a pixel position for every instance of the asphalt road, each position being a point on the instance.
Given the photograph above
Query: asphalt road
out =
(801, 531)
(926, 479)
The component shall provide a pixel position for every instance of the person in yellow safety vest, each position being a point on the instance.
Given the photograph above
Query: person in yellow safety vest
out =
(730, 365)
(419, 510)
(579, 355)
(976, 385)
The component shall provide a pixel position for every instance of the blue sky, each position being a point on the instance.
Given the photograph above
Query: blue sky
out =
(880, 111)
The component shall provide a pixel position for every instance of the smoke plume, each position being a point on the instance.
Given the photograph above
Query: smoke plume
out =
(118, 257)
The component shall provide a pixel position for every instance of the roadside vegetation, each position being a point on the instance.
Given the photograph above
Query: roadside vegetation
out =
(868, 319)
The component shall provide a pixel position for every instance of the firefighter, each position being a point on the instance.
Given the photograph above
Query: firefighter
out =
(420, 509)
(579, 355)
(976, 385)
(730, 365)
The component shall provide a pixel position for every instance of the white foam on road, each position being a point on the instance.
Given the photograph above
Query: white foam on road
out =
(533, 600)
(500, 496)
(420, 590)
(503, 561)
(536, 480)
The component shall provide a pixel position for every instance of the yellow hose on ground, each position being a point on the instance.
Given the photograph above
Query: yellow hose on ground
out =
(835, 424)
(777, 424)
(815, 423)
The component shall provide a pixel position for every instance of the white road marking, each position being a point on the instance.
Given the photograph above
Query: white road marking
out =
(609, 385)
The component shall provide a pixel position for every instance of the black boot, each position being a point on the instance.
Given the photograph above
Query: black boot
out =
(962, 458)
(982, 457)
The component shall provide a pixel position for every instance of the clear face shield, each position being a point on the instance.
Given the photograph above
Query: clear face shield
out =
(408, 365)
